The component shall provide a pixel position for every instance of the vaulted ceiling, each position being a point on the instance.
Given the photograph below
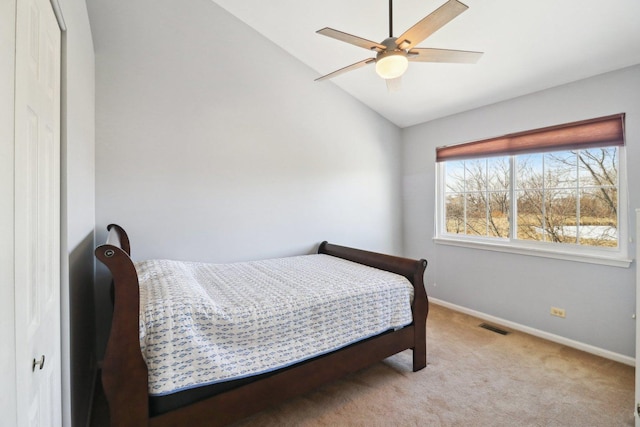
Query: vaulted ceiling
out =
(528, 46)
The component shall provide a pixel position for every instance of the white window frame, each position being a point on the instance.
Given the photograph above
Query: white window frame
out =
(617, 257)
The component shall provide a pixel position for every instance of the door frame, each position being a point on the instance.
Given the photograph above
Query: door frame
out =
(7, 117)
(636, 409)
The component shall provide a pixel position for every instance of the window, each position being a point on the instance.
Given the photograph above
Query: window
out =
(555, 190)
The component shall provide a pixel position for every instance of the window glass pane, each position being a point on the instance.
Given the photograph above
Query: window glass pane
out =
(530, 221)
(454, 176)
(454, 221)
(476, 174)
(476, 214)
(529, 171)
(598, 217)
(560, 169)
(560, 215)
(598, 167)
(498, 173)
(499, 206)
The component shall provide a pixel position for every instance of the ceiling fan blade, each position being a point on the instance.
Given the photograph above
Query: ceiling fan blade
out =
(430, 24)
(443, 55)
(349, 38)
(345, 69)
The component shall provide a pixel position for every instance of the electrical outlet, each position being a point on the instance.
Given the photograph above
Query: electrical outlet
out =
(559, 312)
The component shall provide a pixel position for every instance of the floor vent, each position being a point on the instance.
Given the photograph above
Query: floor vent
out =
(493, 329)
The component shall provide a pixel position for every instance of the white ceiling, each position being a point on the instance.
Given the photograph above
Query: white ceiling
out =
(529, 45)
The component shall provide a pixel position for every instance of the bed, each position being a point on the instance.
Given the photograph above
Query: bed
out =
(220, 382)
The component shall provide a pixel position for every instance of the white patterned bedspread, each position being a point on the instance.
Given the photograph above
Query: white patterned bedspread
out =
(206, 323)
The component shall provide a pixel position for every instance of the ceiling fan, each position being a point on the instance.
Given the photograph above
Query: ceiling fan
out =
(394, 53)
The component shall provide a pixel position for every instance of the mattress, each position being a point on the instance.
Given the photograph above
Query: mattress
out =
(203, 324)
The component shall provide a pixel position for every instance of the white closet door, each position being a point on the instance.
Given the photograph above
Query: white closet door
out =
(37, 214)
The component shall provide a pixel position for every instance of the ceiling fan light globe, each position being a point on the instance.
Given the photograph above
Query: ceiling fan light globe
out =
(392, 66)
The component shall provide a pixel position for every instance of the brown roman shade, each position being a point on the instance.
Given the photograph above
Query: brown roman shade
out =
(599, 132)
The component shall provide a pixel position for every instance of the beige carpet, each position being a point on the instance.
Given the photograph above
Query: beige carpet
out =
(474, 377)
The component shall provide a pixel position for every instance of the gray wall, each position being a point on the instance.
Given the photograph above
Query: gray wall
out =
(599, 300)
(214, 144)
(78, 213)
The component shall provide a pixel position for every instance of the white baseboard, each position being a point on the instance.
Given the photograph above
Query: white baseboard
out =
(538, 333)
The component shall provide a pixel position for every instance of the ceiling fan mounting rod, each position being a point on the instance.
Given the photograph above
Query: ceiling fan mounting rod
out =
(390, 18)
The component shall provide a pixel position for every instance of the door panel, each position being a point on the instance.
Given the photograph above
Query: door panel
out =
(37, 214)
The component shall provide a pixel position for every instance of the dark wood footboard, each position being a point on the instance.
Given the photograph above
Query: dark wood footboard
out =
(125, 376)
(413, 270)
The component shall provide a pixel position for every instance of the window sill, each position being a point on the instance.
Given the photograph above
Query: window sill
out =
(603, 259)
